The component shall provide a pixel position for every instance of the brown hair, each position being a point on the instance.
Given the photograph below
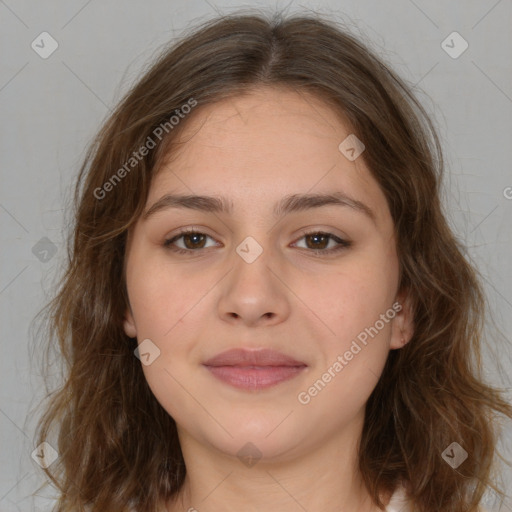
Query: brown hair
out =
(118, 448)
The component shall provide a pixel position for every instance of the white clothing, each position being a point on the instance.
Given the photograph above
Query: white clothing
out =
(400, 503)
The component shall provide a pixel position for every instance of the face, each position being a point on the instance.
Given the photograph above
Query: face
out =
(313, 279)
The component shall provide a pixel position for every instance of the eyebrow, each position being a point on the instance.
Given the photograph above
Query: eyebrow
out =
(289, 204)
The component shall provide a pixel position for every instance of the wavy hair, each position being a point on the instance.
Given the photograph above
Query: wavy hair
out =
(118, 448)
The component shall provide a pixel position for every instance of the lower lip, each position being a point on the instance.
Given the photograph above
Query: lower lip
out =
(254, 377)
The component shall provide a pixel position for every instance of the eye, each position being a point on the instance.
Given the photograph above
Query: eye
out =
(192, 239)
(316, 241)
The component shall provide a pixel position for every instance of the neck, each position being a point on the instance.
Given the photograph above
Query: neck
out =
(325, 477)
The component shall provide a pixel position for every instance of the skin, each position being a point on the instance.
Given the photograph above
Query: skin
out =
(255, 149)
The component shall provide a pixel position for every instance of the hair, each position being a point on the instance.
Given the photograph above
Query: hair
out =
(118, 448)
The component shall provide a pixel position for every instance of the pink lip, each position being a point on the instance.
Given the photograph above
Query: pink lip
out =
(245, 357)
(259, 369)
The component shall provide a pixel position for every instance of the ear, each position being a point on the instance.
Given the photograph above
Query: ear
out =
(129, 324)
(402, 327)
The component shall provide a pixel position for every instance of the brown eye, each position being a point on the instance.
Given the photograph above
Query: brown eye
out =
(192, 240)
(318, 242)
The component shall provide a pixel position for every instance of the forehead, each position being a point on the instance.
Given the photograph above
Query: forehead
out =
(262, 145)
(281, 118)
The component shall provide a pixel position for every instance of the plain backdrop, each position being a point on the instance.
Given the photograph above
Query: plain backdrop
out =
(51, 107)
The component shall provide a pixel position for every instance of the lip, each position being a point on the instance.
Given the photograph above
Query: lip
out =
(245, 357)
(253, 369)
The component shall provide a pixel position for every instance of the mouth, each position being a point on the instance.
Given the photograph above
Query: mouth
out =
(254, 370)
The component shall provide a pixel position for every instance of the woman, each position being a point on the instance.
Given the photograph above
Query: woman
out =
(265, 307)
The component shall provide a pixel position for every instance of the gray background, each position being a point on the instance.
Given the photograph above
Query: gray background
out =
(51, 108)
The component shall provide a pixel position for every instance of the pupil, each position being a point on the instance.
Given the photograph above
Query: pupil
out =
(192, 236)
(316, 238)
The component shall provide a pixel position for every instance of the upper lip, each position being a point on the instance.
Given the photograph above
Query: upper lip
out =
(245, 357)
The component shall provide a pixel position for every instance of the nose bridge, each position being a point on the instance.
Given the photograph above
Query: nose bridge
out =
(251, 272)
(252, 292)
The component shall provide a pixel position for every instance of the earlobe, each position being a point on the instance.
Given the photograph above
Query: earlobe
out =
(402, 328)
(129, 325)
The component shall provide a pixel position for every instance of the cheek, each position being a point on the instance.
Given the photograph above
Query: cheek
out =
(351, 299)
(161, 297)
(161, 294)
(355, 355)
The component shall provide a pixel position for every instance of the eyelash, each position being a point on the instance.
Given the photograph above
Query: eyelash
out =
(342, 244)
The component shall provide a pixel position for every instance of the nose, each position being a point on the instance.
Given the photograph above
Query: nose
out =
(254, 293)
